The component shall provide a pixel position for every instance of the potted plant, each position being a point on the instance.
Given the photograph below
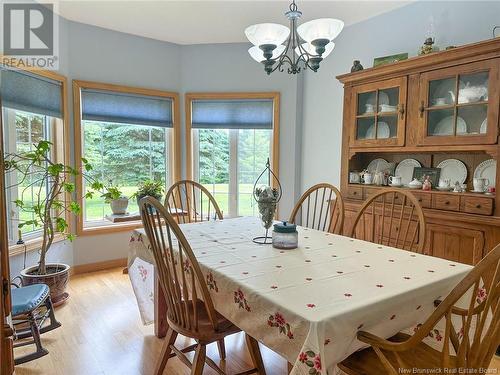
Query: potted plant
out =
(115, 198)
(47, 209)
(149, 188)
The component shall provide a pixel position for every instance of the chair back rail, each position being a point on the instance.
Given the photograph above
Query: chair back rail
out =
(393, 218)
(470, 346)
(321, 207)
(178, 270)
(190, 201)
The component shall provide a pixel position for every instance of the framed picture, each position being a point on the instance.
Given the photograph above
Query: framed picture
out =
(433, 173)
(389, 59)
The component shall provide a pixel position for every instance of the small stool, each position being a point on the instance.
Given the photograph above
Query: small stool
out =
(31, 306)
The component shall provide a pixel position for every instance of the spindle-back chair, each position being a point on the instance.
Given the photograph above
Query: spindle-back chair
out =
(467, 349)
(391, 217)
(191, 202)
(190, 310)
(321, 207)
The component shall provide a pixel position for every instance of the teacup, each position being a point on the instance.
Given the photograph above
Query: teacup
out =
(354, 177)
(368, 178)
(480, 184)
(395, 180)
(440, 101)
(369, 108)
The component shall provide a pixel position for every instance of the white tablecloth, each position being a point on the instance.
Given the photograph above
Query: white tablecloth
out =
(306, 304)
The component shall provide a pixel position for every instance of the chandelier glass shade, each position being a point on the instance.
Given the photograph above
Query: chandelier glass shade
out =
(277, 46)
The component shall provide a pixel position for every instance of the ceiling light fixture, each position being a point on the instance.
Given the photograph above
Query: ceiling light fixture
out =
(299, 47)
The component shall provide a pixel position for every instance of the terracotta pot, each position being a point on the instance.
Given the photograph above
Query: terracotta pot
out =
(119, 206)
(56, 278)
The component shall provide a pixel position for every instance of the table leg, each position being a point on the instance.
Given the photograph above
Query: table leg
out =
(160, 323)
(290, 366)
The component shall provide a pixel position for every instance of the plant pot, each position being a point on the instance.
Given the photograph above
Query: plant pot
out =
(157, 197)
(119, 206)
(56, 278)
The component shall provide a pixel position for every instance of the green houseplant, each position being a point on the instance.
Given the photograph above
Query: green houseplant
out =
(115, 198)
(149, 188)
(53, 200)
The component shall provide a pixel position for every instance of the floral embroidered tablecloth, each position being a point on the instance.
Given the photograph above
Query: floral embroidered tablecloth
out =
(308, 303)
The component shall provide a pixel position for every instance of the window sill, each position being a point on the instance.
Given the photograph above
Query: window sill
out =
(110, 228)
(31, 245)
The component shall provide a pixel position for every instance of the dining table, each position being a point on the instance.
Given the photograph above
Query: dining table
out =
(306, 304)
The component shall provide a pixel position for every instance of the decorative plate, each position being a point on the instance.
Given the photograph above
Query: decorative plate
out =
(484, 126)
(378, 165)
(453, 170)
(383, 131)
(405, 170)
(383, 98)
(487, 169)
(445, 126)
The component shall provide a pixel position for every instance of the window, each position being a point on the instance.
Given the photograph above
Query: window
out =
(232, 137)
(32, 111)
(128, 136)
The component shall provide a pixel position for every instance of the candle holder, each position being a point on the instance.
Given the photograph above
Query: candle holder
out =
(267, 198)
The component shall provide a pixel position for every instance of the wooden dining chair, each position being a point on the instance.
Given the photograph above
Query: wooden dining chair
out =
(321, 207)
(190, 201)
(465, 348)
(391, 217)
(190, 310)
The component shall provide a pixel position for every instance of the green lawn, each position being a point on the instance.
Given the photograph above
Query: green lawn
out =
(95, 208)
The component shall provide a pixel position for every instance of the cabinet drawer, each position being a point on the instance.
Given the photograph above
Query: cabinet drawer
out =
(355, 192)
(478, 205)
(446, 202)
(369, 191)
(424, 199)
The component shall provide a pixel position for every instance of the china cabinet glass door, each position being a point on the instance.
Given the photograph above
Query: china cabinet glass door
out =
(379, 114)
(459, 105)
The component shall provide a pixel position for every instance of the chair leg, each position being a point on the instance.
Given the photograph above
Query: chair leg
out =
(199, 360)
(222, 349)
(290, 367)
(40, 350)
(53, 321)
(165, 351)
(253, 348)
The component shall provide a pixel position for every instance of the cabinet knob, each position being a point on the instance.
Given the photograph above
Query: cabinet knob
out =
(354, 192)
(402, 110)
(478, 206)
(422, 108)
(447, 202)
(420, 199)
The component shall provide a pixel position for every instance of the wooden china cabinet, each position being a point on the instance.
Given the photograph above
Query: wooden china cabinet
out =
(430, 108)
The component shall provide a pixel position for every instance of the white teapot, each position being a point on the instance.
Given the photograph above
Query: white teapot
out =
(471, 94)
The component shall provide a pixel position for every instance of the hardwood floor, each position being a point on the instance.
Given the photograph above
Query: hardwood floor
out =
(102, 333)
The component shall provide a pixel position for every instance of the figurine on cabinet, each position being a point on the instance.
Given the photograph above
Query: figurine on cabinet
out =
(356, 66)
(427, 185)
(428, 47)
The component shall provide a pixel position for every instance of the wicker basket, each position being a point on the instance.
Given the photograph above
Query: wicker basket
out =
(56, 278)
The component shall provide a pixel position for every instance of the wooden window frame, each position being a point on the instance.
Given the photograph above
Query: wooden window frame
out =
(275, 142)
(35, 242)
(78, 85)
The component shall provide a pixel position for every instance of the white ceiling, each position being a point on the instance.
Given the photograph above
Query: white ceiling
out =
(201, 22)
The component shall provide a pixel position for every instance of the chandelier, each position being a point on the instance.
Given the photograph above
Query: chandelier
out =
(305, 46)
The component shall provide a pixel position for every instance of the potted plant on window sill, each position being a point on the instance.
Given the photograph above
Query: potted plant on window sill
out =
(52, 201)
(149, 188)
(116, 200)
